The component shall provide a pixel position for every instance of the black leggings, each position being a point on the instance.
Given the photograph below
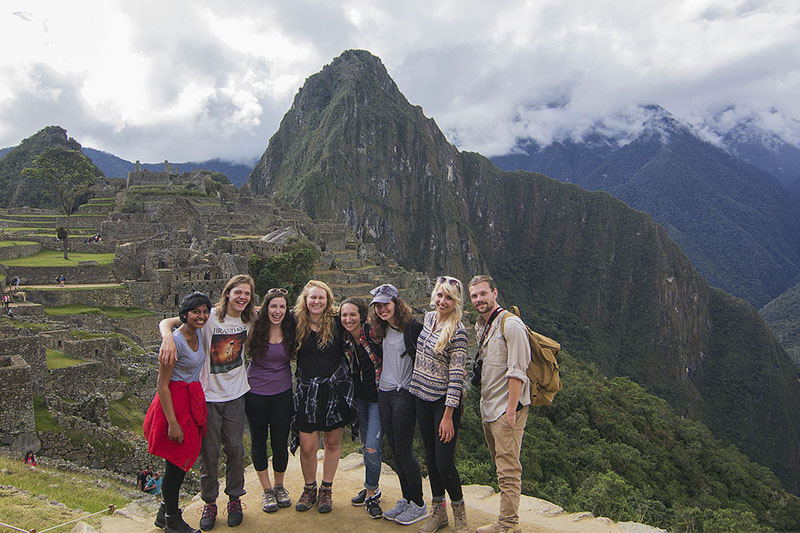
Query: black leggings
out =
(397, 421)
(439, 456)
(269, 415)
(170, 486)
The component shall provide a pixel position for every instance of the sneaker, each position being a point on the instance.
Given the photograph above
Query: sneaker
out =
(235, 514)
(176, 524)
(395, 511)
(374, 507)
(325, 504)
(161, 519)
(282, 496)
(361, 497)
(307, 499)
(268, 502)
(412, 513)
(209, 517)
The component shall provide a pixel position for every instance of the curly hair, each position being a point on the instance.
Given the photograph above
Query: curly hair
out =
(326, 325)
(402, 311)
(258, 340)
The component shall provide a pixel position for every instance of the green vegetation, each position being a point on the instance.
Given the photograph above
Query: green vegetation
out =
(51, 258)
(56, 359)
(43, 484)
(609, 447)
(290, 269)
(128, 413)
(110, 312)
(783, 316)
(5, 244)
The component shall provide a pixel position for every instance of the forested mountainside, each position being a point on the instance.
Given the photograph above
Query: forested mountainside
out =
(738, 224)
(599, 276)
(21, 191)
(783, 317)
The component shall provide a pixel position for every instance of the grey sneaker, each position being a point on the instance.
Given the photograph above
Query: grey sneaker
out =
(282, 496)
(268, 502)
(395, 511)
(412, 513)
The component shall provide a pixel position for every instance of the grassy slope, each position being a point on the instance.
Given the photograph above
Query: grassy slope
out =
(53, 258)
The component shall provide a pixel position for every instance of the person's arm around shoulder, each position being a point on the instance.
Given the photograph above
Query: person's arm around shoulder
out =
(519, 358)
(168, 352)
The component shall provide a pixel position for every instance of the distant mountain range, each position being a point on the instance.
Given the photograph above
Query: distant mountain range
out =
(739, 223)
(116, 167)
(583, 266)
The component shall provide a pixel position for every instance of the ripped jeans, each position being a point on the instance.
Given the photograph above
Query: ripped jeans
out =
(369, 423)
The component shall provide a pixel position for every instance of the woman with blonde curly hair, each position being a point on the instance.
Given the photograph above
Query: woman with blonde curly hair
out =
(324, 399)
(437, 383)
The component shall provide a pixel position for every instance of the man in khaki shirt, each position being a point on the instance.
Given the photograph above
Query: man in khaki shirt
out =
(505, 396)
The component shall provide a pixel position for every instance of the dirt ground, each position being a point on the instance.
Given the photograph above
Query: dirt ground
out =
(482, 505)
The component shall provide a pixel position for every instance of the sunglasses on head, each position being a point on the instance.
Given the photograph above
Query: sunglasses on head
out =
(278, 289)
(452, 281)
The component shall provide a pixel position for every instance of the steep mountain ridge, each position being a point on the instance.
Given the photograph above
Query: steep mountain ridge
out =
(737, 223)
(601, 277)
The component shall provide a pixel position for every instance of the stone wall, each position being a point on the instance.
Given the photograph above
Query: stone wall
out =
(16, 400)
(23, 250)
(110, 297)
(31, 349)
(78, 274)
(78, 382)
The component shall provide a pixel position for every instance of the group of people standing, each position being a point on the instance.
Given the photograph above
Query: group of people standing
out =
(372, 365)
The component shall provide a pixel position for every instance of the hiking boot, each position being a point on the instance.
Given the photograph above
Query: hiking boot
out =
(209, 517)
(498, 528)
(161, 520)
(235, 514)
(395, 511)
(307, 499)
(374, 507)
(176, 524)
(437, 518)
(268, 502)
(460, 517)
(325, 504)
(282, 496)
(361, 497)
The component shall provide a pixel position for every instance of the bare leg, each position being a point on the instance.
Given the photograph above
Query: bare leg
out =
(309, 443)
(333, 451)
(263, 477)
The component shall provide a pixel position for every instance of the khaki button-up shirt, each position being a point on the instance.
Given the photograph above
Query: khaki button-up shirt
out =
(503, 358)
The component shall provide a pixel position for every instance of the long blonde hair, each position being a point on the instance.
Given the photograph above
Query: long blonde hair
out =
(326, 325)
(453, 321)
(249, 313)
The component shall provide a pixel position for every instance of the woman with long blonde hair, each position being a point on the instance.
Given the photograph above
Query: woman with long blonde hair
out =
(437, 383)
(323, 400)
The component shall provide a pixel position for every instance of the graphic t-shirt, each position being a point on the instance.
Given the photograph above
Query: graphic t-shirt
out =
(224, 377)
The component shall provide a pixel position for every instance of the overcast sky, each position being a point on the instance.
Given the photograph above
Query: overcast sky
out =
(192, 80)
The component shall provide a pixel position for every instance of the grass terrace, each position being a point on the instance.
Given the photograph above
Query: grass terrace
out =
(7, 244)
(110, 312)
(55, 258)
(56, 359)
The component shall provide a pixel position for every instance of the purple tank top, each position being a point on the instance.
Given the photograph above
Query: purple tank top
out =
(271, 373)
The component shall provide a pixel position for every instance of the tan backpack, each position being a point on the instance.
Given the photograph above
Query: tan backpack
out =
(543, 370)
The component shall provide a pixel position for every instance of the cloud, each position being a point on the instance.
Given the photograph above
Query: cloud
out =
(194, 80)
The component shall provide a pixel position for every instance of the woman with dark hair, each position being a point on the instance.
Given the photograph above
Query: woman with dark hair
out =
(365, 356)
(268, 404)
(323, 400)
(437, 384)
(397, 331)
(176, 420)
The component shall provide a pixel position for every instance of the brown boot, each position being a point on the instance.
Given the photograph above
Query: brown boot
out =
(460, 517)
(325, 504)
(437, 518)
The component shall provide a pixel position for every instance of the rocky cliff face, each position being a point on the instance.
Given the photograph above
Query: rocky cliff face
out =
(601, 277)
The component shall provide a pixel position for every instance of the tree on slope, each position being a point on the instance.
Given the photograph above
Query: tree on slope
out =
(70, 173)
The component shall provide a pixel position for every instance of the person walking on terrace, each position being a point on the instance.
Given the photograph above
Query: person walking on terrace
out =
(505, 395)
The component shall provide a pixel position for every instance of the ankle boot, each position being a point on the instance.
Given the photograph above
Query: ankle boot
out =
(437, 518)
(460, 517)
(176, 524)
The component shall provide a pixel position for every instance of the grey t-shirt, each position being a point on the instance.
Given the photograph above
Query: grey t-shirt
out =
(190, 363)
(396, 373)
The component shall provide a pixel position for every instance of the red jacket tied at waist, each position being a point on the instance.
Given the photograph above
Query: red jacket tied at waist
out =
(189, 403)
